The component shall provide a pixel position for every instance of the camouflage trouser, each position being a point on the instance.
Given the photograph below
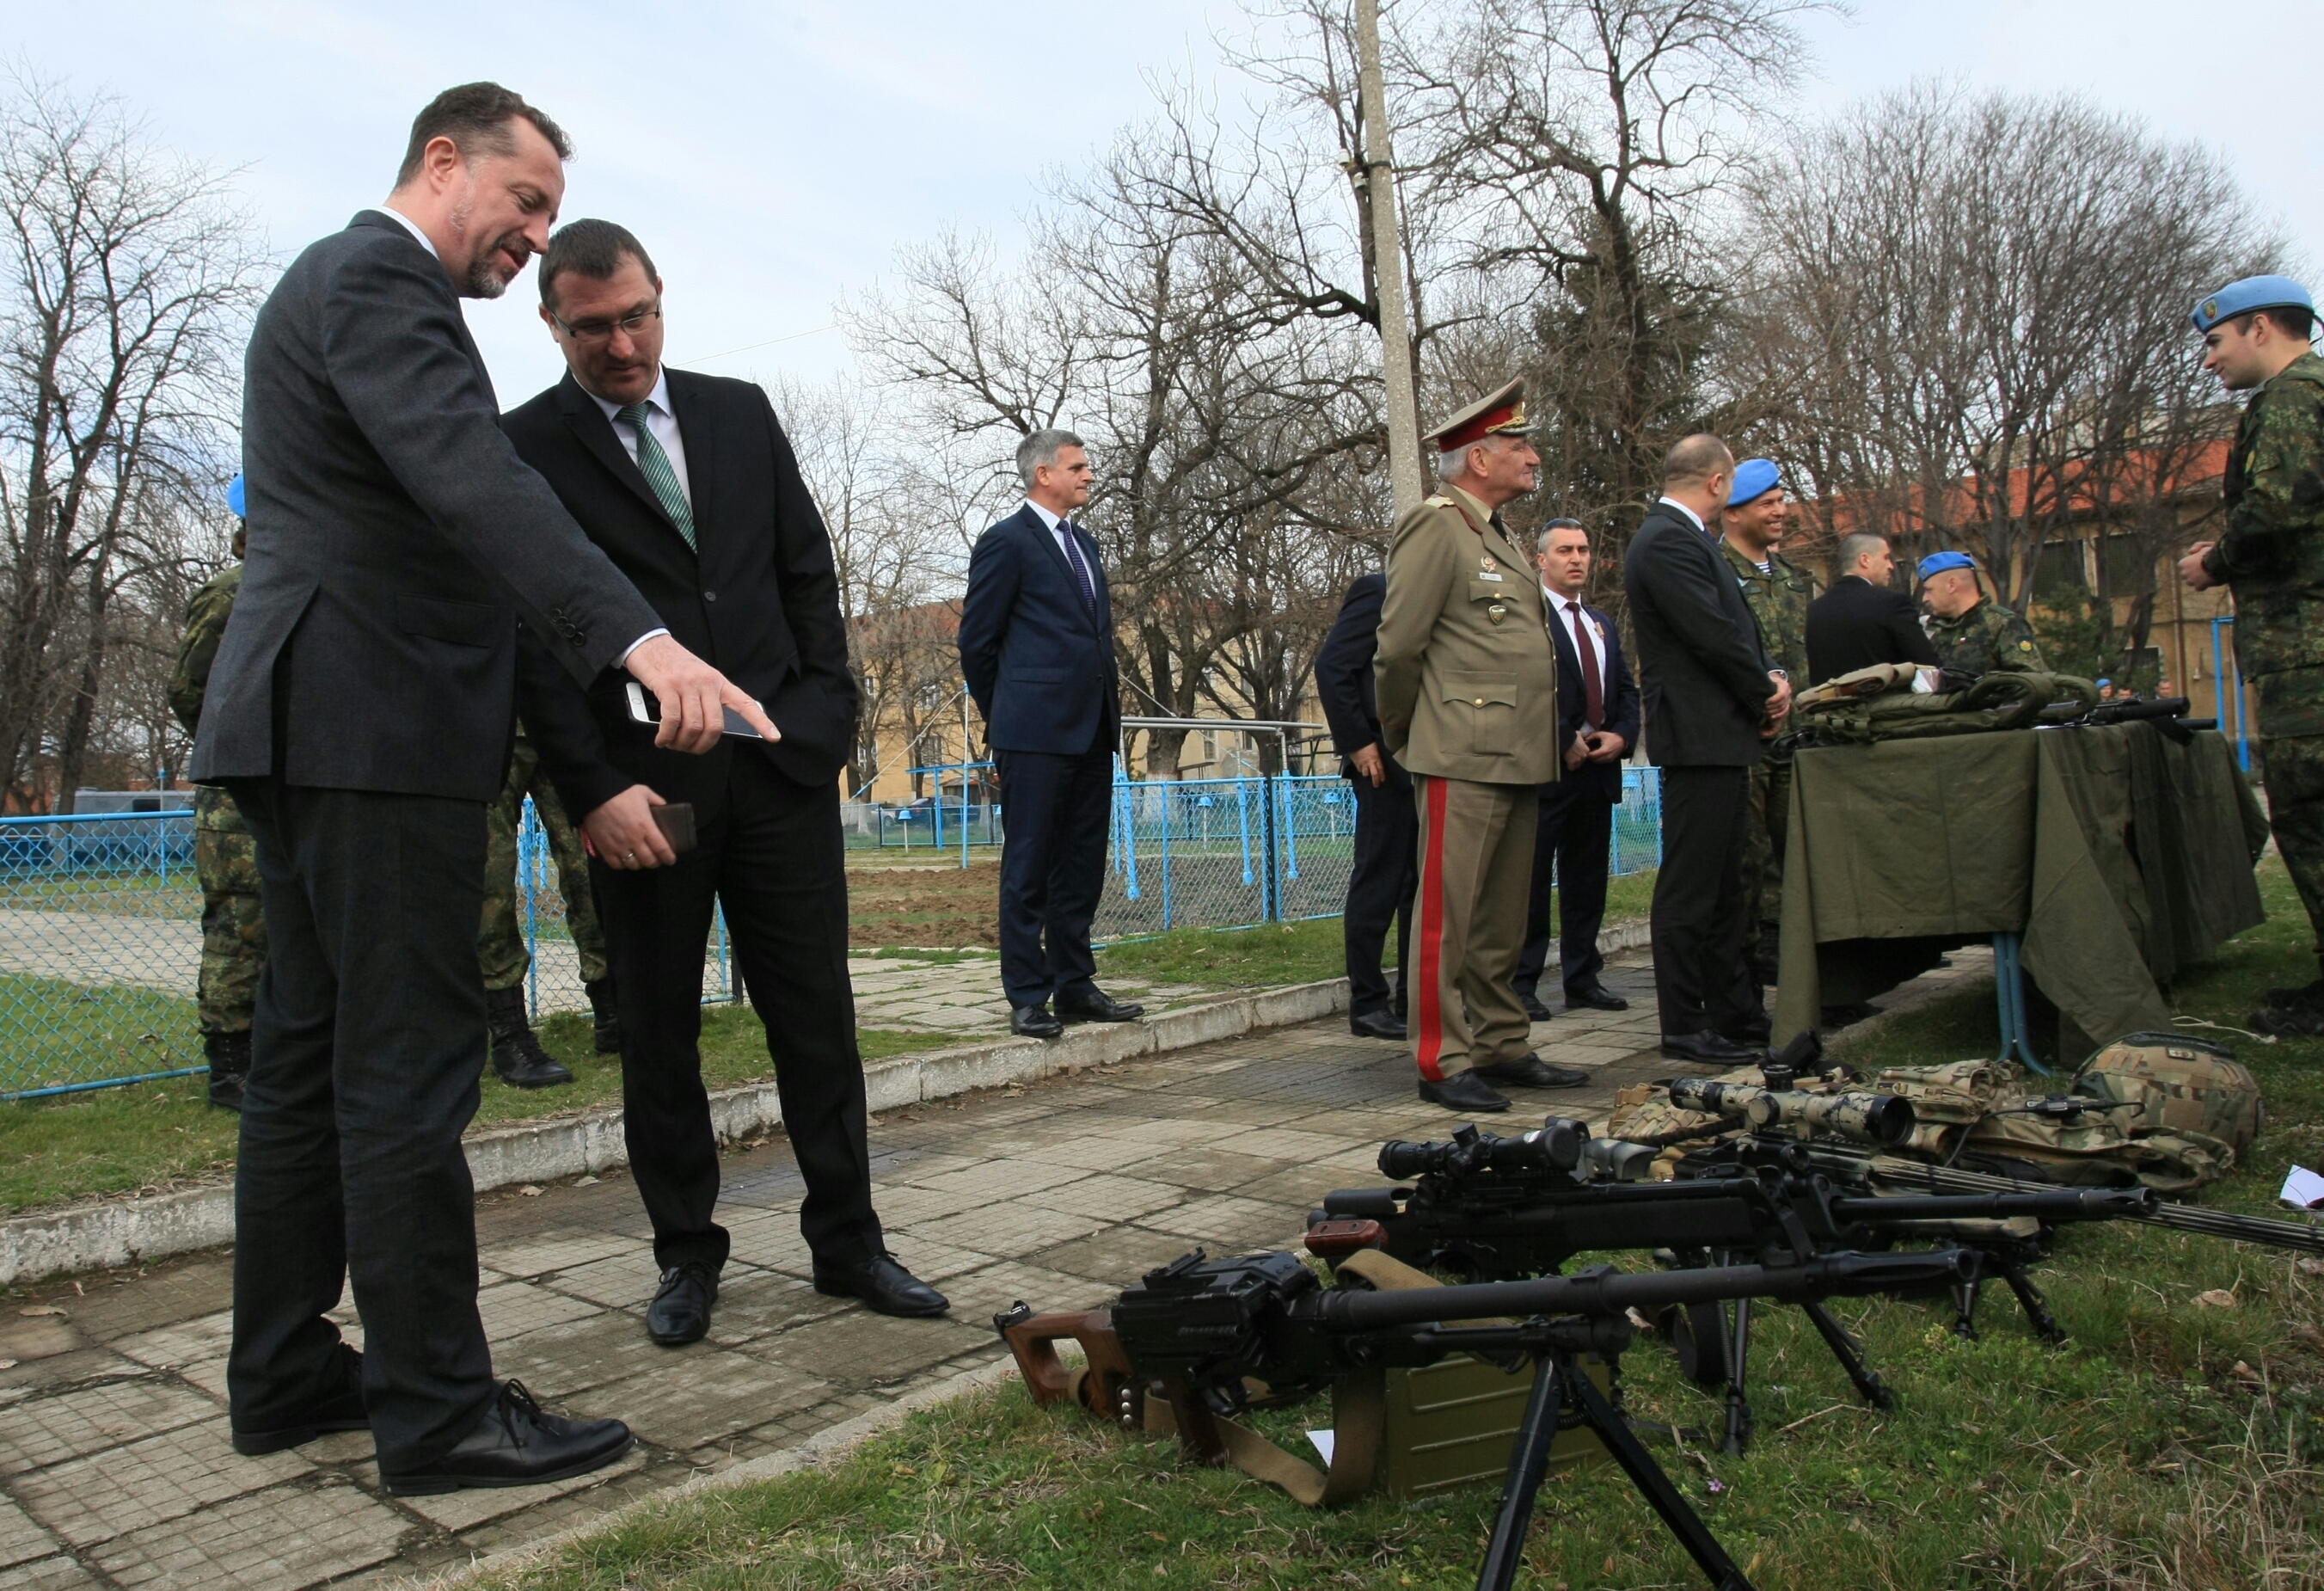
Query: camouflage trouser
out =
(234, 924)
(1763, 844)
(2295, 811)
(499, 943)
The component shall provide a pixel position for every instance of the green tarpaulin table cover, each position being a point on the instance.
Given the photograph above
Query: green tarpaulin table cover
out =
(2121, 856)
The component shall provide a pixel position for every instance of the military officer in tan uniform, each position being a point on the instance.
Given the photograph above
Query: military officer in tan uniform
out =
(1467, 677)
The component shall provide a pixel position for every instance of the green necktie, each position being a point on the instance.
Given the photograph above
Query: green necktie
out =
(654, 464)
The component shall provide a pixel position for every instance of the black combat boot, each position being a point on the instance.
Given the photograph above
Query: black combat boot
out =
(517, 1054)
(229, 1059)
(609, 1021)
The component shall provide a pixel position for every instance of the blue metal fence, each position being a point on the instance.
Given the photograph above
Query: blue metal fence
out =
(100, 916)
(1225, 852)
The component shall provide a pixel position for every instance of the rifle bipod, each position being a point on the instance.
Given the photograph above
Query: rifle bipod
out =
(1563, 1393)
(1713, 1343)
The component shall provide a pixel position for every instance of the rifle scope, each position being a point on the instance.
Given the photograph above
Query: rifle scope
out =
(1884, 1119)
(1553, 1146)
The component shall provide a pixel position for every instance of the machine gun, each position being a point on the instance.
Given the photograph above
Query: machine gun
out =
(1197, 1331)
(1490, 1210)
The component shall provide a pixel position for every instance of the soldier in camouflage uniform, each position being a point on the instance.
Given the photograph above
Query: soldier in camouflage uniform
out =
(234, 924)
(1777, 592)
(2257, 337)
(501, 953)
(1972, 634)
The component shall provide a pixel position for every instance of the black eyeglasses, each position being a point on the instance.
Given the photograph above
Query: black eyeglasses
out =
(598, 331)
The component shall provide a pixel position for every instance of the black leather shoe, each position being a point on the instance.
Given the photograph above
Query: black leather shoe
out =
(680, 1312)
(1464, 1091)
(882, 1283)
(1593, 995)
(1532, 1072)
(516, 1443)
(1376, 1024)
(340, 1409)
(1534, 1009)
(1710, 1048)
(1034, 1022)
(1095, 1005)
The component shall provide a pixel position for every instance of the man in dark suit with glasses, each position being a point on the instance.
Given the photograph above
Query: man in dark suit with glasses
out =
(687, 484)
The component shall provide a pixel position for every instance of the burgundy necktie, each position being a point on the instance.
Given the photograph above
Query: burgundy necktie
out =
(1593, 693)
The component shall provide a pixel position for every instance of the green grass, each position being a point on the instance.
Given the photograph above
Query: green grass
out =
(1279, 953)
(2170, 1445)
(155, 1135)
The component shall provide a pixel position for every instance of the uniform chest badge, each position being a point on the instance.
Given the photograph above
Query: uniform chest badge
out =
(1496, 612)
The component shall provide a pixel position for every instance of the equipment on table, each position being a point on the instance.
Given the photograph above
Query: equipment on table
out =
(1199, 1332)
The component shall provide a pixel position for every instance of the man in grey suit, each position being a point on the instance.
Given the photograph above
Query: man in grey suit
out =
(361, 710)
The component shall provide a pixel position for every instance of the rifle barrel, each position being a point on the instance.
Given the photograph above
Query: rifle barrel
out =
(1612, 1293)
(2308, 1237)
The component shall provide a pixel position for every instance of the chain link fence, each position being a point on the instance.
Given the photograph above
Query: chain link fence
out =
(101, 949)
(101, 933)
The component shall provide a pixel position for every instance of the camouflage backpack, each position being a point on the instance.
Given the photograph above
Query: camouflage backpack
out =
(2182, 1084)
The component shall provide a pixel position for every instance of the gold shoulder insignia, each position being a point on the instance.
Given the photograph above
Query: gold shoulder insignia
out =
(1439, 501)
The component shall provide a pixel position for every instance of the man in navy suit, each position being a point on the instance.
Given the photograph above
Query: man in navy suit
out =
(1597, 718)
(1037, 650)
(1385, 867)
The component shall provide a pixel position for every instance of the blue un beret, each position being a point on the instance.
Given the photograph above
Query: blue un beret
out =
(1937, 563)
(234, 498)
(2252, 292)
(1754, 478)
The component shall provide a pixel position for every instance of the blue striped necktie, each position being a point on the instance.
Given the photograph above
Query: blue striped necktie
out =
(1080, 569)
(655, 465)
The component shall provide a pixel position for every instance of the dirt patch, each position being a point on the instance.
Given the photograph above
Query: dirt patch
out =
(946, 908)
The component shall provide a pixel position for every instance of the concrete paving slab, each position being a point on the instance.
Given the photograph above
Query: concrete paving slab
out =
(286, 1535)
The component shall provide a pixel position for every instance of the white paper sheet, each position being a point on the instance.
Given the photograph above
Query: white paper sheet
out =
(1322, 1441)
(2303, 1189)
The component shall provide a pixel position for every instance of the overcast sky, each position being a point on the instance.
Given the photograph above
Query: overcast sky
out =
(774, 155)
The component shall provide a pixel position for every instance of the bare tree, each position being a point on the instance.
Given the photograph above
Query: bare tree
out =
(127, 276)
(1974, 306)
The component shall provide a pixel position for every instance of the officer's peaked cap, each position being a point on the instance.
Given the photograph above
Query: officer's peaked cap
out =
(1499, 414)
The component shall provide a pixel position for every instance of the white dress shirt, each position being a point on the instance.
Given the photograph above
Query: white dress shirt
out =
(409, 225)
(1693, 518)
(1581, 630)
(1056, 529)
(660, 420)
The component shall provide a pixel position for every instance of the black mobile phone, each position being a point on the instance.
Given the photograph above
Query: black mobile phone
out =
(645, 709)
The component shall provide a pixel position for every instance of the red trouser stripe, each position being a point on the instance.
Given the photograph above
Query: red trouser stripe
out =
(1428, 1014)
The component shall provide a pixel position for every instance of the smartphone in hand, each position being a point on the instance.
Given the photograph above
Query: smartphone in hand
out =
(645, 709)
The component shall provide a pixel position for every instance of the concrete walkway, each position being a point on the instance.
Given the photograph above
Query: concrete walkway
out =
(113, 1457)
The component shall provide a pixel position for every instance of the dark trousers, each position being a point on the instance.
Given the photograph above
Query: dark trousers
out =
(1052, 868)
(1701, 978)
(367, 1045)
(1380, 883)
(1574, 830)
(772, 860)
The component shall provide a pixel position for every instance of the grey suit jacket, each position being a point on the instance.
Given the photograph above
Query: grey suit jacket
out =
(396, 539)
